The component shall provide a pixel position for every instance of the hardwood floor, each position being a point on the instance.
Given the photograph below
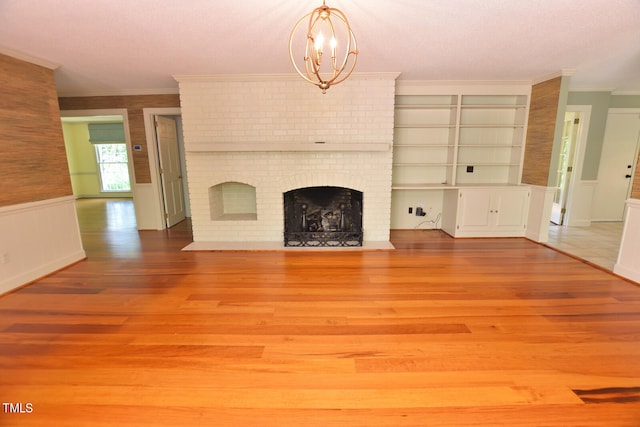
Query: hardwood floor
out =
(440, 332)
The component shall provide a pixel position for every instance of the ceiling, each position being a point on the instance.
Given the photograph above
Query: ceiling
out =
(107, 47)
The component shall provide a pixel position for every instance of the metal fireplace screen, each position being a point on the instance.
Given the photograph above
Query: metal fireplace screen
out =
(323, 216)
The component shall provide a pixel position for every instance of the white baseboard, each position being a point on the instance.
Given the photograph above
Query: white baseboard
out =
(38, 238)
(9, 283)
(626, 272)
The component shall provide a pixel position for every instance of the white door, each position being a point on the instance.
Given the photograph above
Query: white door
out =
(565, 167)
(170, 171)
(617, 163)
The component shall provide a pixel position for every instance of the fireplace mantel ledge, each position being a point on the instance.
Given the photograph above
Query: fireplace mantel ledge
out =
(286, 146)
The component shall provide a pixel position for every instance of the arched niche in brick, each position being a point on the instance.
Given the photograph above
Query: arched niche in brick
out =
(233, 201)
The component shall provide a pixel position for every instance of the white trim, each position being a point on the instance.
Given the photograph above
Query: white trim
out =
(120, 92)
(625, 93)
(287, 146)
(271, 77)
(152, 153)
(540, 205)
(24, 277)
(38, 238)
(565, 72)
(578, 158)
(463, 87)
(627, 263)
(28, 58)
(591, 89)
(34, 205)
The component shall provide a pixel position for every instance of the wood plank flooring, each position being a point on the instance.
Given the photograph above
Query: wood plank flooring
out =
(440, 332)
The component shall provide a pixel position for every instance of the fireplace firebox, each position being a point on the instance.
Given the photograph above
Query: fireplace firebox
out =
(323, 216)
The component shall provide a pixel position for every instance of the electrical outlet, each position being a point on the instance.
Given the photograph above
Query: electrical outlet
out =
(469, 169)
(410, 210)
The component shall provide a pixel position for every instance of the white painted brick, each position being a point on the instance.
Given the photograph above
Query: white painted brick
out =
(291, 112)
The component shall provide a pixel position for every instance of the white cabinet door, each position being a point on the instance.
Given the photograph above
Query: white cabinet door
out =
(491, 212)
(511, 208)
(475, 210)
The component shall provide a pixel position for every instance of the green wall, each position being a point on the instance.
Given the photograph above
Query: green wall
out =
(625, 101)
(599, 102)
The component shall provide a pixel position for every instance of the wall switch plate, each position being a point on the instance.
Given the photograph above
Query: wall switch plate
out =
(410, 210)
(469, 169)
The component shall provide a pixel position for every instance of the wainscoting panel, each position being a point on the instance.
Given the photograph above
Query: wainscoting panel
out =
(38, 238)
(627, 265)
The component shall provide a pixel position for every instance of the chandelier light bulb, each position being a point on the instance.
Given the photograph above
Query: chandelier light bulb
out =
(319, 43)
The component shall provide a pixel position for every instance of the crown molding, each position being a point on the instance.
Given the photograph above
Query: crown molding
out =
(625, 93)
(565, 72)
(275, 77)
(28, 58)
(124, 92)
(436, 83)
(591, 89)
(466, 87)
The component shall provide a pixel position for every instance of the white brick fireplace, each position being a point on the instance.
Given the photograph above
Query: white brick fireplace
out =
(250, 139)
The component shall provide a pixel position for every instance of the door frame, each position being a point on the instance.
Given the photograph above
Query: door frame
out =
(575, 183)
(125, 123)
(156, 194)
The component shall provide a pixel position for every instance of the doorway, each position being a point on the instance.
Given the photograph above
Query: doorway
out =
(565, 166)
(98, 153)
(167, 164)
(571, 204)
(617, 164)
(170, 168)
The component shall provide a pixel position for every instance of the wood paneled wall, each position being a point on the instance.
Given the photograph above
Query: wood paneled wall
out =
(134, 105)
(540, 133)
(33, 161)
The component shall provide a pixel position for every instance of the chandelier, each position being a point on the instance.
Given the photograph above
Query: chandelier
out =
(324, 67)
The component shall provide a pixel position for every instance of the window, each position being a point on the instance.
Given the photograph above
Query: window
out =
(113, 167)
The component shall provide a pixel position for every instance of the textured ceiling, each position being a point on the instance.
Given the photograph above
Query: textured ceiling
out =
(136, 46)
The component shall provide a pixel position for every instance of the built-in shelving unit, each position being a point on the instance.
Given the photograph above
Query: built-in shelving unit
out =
(470, 136)
(458, 139)
(424, 139)
(491, 139)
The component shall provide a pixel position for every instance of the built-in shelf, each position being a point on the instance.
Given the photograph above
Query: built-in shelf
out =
(457, 131)
(444, 143)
